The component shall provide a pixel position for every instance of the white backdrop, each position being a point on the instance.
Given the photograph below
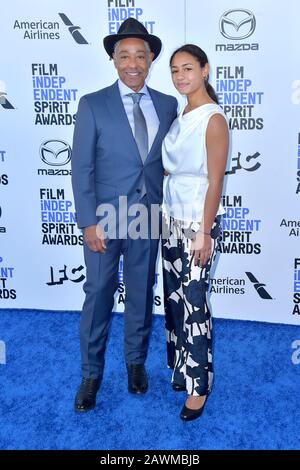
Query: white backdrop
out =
(52, 53)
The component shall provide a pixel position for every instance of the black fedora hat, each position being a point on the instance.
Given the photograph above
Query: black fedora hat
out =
(131, 28)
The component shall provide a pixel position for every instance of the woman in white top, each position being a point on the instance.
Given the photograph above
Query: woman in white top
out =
(194, 157)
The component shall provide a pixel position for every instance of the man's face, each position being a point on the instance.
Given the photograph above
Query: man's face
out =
(132, 61)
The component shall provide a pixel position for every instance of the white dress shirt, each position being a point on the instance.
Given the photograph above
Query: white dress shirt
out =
(147, 107)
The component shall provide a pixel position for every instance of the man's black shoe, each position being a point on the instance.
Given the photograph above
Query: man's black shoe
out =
(137, 378)
(85, 399)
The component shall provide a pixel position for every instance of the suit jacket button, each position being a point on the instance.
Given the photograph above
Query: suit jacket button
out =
(138, 190)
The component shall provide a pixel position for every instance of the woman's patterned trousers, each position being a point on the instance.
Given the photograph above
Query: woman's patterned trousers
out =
(188, 318)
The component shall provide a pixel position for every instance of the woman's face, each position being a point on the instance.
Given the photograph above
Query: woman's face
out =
(187, 74)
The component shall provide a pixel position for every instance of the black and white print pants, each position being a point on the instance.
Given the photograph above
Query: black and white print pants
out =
(187, 314)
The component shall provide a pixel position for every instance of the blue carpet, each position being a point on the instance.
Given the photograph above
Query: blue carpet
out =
(254, 403)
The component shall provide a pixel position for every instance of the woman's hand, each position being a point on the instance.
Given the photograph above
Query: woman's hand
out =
(201, 248)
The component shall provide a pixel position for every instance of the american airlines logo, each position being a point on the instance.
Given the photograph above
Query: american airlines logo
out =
(74, 30)
(4, 102)
(47, 29)
(258, 286)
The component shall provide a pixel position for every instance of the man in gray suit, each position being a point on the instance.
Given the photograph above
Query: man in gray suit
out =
(117, 156)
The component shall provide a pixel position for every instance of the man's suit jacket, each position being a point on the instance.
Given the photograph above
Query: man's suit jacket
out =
(106, 162)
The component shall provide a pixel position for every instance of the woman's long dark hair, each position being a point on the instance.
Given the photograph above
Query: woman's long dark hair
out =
(201, 57)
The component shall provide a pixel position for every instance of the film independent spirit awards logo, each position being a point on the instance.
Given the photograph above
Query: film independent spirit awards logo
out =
(55, 152)
(237, 24)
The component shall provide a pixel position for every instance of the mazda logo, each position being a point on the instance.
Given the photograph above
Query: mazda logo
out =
(55, 152)
(237, 24)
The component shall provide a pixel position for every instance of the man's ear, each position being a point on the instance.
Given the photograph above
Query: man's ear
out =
(151, 57)
(114, 59)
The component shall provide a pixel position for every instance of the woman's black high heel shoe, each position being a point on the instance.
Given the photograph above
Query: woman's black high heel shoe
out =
(187, 414)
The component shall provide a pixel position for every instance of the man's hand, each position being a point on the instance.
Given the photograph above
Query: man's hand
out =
(94, 238)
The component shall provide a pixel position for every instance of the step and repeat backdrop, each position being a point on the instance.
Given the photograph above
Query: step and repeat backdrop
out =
(52, 54)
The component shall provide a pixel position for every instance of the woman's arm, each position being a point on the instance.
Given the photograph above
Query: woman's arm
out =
(217, 150)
